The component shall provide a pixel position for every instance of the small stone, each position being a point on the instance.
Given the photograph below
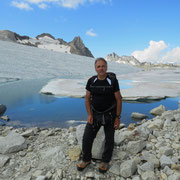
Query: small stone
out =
(90, 174)
(149, 175)
(165, 161)
(128, 168)
(175, 167)
(135, 146)
(115, 169)
(74, 153)
(5, 118)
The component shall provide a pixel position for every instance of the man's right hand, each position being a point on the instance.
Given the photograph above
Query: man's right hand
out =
(90, 119)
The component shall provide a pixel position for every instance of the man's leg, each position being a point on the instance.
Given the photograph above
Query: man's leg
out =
(88, 138)
(109, 142)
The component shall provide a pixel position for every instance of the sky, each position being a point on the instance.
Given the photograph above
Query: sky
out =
(147, 29)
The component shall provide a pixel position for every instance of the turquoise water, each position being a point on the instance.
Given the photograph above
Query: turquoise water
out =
(125, 84)
(27, 108)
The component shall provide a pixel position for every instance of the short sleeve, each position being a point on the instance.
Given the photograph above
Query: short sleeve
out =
(116, 86)
(88, 85)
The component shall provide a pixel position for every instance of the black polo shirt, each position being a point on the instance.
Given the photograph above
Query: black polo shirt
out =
(102, 92)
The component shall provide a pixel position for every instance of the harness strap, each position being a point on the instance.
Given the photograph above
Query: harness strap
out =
(113, 106)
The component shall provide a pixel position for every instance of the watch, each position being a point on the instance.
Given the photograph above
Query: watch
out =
(118, 116)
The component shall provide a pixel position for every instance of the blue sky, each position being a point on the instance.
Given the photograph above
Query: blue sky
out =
(147, 29)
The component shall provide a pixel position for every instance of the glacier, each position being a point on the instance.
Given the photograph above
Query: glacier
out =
(67, 74)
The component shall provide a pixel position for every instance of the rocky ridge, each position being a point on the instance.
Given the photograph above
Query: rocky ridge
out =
(131, 60)
(143, 151)
(47, 41)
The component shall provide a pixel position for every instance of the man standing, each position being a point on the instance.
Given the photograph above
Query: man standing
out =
(103, 104)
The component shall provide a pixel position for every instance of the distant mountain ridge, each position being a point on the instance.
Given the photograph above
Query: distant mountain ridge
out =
(47, 41)
(122, 59)
(131, 60)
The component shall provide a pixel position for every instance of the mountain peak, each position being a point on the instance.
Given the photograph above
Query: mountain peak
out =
(78, 47)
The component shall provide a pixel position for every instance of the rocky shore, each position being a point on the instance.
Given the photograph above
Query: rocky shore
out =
(148, 150)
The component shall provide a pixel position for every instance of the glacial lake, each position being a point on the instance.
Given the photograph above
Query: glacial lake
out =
(27, 108)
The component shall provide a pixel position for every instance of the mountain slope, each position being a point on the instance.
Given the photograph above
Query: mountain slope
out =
(47, 41)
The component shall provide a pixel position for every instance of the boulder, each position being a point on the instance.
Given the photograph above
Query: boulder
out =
(99, 141)
(158, 110)
(136, 115)
(13, 142)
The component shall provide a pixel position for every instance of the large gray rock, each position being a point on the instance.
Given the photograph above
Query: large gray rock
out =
(158, 110)
(134, 147)
(128, 168)
(13, 142)
(99, 141)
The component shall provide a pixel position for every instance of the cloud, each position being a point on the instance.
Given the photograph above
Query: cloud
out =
(43, 4)
(91, 33)
(21, 5)
(42, 1)
(172, 56)
(158, 52)
(71, 3)
(151, 54)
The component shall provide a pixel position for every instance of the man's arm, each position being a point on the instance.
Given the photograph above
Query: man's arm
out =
(88, 107)
(118, 108)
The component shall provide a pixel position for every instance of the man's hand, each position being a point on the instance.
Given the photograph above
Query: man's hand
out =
(90, 119)
(116, 123)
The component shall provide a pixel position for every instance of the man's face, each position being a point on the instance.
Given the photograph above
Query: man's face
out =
(101, 67)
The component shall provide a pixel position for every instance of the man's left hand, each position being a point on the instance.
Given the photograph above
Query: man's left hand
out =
(116, 123)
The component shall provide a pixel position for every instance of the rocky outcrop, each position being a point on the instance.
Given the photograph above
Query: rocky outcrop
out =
(44, 35)
(150, 150)
(47, 41)
(78, 47)
(61, 41)
(131, 60)
(6, 35)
